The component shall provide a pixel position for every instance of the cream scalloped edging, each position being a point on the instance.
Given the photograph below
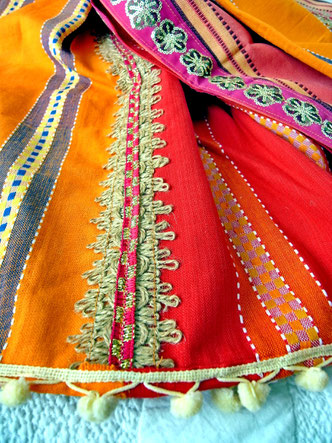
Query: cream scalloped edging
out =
(58, 375)
(151, 293)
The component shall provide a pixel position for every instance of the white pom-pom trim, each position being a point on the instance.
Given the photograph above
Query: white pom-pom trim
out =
(15, 392)
(253, 395)
(226, 400)
(312, 379)
(182, 405)
(188, 405)
(95, 408)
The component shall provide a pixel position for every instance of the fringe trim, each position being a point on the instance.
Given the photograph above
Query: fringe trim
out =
(59, 375)
(152, 295)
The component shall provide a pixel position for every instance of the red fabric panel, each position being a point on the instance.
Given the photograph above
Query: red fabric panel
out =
(295, 191)
(205, 280)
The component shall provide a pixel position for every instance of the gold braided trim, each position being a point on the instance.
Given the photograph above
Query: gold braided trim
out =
(152, 294)
(196, 375)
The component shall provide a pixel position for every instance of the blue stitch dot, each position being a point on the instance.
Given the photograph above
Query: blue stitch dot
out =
(42, 140)
(17, 182)
(62, 29)
(11, 195)
(53, 112)
(21, 172)
(56, 104)
(71, 22)
(54, 51)
(72, 78)
(31, 160)
(39, 148)
(7, 212)
(15, 3)
(35, 154)
(82, 10)
(54, 40)
(67, 26)
(3, 227)
(50, 120)
(58, 34)
(44, 133)
(26, 166)
(58, 97)
(79, 16)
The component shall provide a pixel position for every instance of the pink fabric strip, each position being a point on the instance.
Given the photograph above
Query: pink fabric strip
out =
(171, 61)
(123, 327)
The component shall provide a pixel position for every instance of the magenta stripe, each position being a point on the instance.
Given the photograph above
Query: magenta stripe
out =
(123, 330)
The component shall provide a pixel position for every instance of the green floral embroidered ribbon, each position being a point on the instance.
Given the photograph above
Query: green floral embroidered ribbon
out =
(169, 38)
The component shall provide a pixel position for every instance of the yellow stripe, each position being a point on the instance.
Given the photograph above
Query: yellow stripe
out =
(12, 8)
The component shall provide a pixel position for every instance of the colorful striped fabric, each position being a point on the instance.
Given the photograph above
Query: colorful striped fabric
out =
(156, 240)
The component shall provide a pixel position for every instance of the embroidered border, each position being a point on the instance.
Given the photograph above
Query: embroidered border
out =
(202, 71)
(123, 326)
(150, 293)
(238, 297)
(323, 15)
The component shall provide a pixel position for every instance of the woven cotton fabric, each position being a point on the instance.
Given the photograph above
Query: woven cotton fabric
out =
(165, 197)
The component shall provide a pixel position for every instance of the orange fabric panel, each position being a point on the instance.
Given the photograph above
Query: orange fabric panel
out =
(19, 93)
(288, 26)
(60, 254)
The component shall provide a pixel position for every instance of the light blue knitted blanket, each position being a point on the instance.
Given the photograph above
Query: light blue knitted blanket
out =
(290, 415)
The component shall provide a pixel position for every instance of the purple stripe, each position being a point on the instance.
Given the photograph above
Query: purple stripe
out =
(3, 5)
